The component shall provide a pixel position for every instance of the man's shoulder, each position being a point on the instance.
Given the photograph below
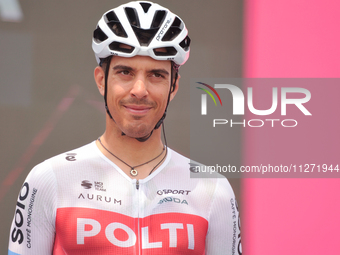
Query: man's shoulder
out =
(183, 172)
(196, 169)
(81, 153)
(65, 160)
(177, 157)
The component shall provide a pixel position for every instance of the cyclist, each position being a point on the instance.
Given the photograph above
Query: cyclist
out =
(127, 192)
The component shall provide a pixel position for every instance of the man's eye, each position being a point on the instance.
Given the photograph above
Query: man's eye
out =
(158, 75)
(123, 72)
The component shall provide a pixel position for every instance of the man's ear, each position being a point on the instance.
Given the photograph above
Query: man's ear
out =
(99, 77)
(173, 93)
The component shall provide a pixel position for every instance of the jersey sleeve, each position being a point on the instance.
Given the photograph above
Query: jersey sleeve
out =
(33, 226)
(224, 230)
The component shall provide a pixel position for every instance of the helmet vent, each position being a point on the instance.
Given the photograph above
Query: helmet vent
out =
(185, 43)
(121, 47)
(145, 36)
(115, 25)
(132, 16)
(158, 19)
(111, 16)
(98, 35)
(165, 51)
(145, 6)
(173, 31)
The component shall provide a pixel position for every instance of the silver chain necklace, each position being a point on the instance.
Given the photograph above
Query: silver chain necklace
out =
(133, 171)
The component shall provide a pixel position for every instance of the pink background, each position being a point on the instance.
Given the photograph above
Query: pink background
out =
(300, 39)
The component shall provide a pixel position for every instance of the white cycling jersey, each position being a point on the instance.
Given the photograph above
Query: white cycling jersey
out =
(80, 202)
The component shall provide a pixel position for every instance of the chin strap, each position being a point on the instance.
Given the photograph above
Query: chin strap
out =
(108, 61)
(174, 68)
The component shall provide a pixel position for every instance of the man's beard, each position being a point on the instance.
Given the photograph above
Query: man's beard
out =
(137, 128)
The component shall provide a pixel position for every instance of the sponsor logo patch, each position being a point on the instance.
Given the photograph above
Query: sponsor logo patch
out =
(103, 232)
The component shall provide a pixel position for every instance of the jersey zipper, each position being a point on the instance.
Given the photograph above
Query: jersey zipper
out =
(138, 225)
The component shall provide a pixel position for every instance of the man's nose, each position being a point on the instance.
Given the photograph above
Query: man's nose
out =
(139, 89)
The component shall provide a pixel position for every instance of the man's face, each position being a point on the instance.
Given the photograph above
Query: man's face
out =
(137, 93)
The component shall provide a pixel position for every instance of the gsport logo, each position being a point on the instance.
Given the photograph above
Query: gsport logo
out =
(280, 98)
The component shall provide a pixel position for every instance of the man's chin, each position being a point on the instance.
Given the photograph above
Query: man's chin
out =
(137, 132)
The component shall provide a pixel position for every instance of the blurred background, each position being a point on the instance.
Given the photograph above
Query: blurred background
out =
(49, 102)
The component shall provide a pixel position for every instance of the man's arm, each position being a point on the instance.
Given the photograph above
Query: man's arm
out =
(33, 225)
(224, 231)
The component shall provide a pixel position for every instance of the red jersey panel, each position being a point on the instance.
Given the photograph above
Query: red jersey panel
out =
(90, 231)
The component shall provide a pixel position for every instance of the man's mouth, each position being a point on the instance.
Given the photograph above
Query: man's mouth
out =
(137, 109)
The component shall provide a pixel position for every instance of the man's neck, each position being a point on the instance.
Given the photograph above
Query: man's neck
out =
(127, 152)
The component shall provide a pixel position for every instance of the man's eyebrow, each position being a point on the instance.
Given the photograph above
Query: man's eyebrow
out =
(129, 68)
(162, 71)
(123, 67)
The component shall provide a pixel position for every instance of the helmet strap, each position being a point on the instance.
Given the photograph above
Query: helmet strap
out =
(107, 69)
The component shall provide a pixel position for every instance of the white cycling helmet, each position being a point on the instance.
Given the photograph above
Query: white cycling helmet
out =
(141, 28)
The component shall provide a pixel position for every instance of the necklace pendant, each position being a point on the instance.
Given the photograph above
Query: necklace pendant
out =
(133, 172)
